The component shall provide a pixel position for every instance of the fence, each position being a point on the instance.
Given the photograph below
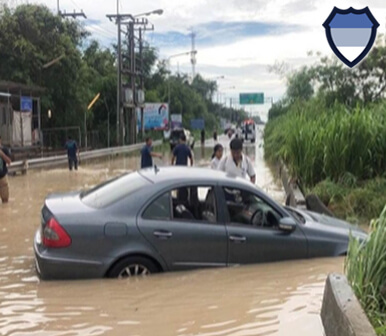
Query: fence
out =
(56, 137)
(23, 166)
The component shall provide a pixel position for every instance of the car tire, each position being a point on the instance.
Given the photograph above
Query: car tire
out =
(132, 267)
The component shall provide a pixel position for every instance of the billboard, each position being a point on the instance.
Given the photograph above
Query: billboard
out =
(197, 124)
(252, 98)
(155, 116)
(176, 120)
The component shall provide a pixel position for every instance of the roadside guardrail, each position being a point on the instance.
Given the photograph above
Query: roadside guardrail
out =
(23, 166)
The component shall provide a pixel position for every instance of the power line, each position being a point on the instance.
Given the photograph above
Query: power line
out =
(101, 30)
(102, 33)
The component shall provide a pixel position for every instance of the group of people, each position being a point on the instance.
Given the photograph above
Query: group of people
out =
(236, 163)
(181, 153)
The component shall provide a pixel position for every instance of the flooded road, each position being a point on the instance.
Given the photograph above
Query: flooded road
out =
(272, 299)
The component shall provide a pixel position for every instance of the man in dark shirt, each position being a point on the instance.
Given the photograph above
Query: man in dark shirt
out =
(181, 153)
(202, 137)
(147, 154)
(72, 151)
(5, 159)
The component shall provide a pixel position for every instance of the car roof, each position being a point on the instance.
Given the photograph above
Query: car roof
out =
(189, 174)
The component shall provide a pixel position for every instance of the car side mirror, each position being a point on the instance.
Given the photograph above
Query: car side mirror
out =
(287, 224)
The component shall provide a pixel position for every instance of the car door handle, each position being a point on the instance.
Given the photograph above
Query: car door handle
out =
(237, 239)
(163, 234)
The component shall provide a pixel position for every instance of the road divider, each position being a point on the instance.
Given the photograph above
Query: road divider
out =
(342, 314)
(45, 162)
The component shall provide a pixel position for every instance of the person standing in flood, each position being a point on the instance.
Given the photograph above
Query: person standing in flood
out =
(237, 163)
(202, 137)
(217, 156)
(147, 154)
(215, 135)
(72, 153)
(5, 160)
(181, 153)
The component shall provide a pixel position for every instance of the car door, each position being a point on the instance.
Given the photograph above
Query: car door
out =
(252, 225)
(181, 224)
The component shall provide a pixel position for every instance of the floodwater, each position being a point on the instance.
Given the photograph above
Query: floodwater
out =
(270, 299)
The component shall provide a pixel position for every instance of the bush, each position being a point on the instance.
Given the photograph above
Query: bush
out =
(365, 268)
(359, 202)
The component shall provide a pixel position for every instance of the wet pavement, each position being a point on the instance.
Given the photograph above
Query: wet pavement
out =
(270, 299)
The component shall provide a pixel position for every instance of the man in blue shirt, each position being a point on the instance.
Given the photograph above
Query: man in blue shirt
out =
(72, 151)
(181, 153)
(147, 154)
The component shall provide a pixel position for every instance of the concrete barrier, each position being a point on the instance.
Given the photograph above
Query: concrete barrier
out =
(342, 314)
(23, 166)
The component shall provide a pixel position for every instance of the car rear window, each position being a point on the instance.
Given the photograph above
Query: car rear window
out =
(113, 190)
(176, 134)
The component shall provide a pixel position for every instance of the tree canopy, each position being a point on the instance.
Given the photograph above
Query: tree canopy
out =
(31, 36)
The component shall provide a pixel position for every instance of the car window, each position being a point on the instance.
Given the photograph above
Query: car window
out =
(246, 208)
(194, 203)
(159, 209)
(113, 190)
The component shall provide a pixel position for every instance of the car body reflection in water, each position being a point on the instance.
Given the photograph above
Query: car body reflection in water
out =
(270, 299)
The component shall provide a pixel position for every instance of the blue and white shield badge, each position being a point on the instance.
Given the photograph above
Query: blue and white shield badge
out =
(351, 33)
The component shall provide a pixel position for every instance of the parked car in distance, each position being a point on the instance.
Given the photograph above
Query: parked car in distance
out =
(175, 136)
(176, 218)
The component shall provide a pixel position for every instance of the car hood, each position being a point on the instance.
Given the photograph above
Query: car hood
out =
(332, 224)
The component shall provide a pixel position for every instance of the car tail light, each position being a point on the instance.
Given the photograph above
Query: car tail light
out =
(54, 235)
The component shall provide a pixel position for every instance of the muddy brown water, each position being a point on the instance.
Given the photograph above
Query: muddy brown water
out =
(270, 299)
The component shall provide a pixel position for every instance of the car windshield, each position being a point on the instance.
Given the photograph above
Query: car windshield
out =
(113, 190)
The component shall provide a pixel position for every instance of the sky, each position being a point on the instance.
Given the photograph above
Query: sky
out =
(237, 39)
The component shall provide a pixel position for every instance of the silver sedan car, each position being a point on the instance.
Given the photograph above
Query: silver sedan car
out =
(176, 218)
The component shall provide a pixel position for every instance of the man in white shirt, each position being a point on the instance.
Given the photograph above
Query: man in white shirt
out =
(237, 163)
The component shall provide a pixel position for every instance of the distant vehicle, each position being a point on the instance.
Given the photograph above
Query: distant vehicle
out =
(249, 130)
(176, 218)
(175, 136)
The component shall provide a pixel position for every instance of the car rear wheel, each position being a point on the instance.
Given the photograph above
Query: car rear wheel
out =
(133, 267)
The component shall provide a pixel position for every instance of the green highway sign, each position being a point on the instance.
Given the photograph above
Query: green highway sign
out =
(251, 98)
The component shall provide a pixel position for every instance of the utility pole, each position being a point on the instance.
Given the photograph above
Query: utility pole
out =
(120, 117)
(141, 80)
(132, 110)
(120, 123)
(73, 15)
(141, 31)
(193, 59)
(126, 108)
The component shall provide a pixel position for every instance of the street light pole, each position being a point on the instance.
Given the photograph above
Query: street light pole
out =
(168, 64)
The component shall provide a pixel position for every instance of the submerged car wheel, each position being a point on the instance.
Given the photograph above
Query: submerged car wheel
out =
(133, 267)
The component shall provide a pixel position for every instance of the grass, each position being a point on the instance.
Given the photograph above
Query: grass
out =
(365, 268)
(318, 143)
(356, 202)
(337, 153)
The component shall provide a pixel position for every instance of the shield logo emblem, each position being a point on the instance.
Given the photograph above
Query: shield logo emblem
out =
(351, 33)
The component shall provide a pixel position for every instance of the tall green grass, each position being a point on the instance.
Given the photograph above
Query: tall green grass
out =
(317, 142)
(365, 268)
